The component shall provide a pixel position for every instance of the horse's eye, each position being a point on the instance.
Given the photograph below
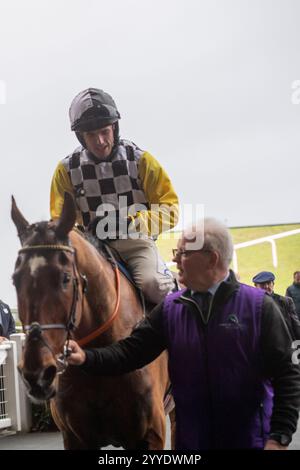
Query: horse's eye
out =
(63, 259)
(66, 279)
(18, 262)
(16, 279)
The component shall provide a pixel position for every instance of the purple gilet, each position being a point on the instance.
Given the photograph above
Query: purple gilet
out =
(222, 400)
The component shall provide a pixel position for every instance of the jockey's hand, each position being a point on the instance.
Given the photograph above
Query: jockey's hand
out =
(109, 231)
(76, 355)
(274, 445)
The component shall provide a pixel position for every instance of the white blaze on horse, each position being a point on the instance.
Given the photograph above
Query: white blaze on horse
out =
(54, 266)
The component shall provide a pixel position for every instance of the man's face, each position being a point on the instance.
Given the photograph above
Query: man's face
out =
(100, 142)
(297, 278)
(194, 267)
(267, 286)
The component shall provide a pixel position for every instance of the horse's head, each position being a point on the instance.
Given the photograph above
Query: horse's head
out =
(49, 295)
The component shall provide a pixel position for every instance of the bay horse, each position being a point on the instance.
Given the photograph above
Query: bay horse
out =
(67, 289)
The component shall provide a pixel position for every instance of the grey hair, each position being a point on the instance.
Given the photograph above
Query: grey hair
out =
(215, 236)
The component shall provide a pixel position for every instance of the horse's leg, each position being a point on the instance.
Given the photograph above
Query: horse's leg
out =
(142, 445)
(73, 442)
(172, 417)
(156, 434)
(154, 440)
(55, 415)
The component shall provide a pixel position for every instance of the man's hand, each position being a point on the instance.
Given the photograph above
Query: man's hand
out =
(274, 445)
(3, 339)
(76, 355)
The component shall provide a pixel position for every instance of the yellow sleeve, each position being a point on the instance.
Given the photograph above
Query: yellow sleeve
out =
(60, 184)
(160, 194)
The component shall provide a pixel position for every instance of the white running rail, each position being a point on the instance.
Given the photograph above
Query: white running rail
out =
(270, 239)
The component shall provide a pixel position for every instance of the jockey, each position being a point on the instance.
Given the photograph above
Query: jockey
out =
(122, 193)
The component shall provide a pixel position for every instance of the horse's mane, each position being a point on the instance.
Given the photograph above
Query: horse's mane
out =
(94, 241)
(88, 237)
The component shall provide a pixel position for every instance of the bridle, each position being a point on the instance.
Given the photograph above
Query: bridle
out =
(35, 329)
(70, 325)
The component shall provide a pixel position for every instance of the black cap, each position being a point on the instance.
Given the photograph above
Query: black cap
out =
(264, 276)
(92, 109)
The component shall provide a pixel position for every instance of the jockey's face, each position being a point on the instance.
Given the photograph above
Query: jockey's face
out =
(100, 142)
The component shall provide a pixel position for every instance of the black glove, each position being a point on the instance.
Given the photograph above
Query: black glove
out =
(112, 229)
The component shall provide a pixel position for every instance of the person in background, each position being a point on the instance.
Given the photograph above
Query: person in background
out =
(233, 381)
(293, 291)
(7, 322)
(266, 280)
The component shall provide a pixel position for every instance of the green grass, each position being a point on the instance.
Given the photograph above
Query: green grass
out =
(257, 258)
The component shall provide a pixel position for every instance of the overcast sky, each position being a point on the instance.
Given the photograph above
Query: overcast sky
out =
(205, 86)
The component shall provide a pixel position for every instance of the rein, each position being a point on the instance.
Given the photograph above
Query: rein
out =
(87, 339)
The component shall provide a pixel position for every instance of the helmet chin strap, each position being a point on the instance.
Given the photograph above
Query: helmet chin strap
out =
(116, 131)
(80, 138)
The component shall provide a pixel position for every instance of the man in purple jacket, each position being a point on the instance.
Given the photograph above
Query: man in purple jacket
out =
(234, 383)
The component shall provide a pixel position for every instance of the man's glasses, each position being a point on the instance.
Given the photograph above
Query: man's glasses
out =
(178, 253)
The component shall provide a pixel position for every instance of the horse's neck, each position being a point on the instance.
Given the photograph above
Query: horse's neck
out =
(100, 298)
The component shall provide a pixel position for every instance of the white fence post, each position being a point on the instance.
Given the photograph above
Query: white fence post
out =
(13, 407)
(24, 402)
(10, 382)
(5, 420)
(235, 262)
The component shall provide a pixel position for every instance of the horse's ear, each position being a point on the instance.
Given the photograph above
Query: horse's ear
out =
(68, 217)
(18, 218)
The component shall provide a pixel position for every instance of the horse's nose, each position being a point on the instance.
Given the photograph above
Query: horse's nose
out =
(48, 375)
(41, 379)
